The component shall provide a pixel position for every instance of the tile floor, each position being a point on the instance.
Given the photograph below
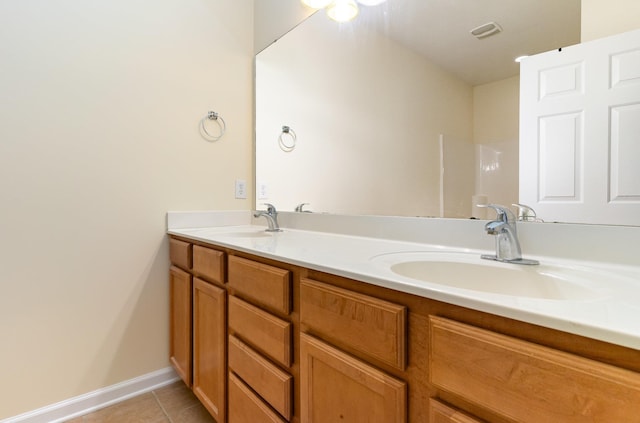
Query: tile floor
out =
(173, 403)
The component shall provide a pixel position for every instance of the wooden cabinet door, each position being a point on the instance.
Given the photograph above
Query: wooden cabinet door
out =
(336, 387)
(180, 323)
(209, 349)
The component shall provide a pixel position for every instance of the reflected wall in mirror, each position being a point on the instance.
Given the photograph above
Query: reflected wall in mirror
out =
(387, 125)
(368, 117)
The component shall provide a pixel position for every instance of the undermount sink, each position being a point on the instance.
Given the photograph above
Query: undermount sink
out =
(468, 271)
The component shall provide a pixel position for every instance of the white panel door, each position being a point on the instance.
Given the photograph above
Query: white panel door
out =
(580, 132)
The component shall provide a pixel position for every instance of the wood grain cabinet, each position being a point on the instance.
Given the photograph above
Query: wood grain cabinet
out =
(209, 349)
(263, 341)
(247, 407)
(181, 254)
(265, 285)
(198, 322)
(368, 325)
(336, 387)
(180, 308)
(526, 382)
(265, 378)
(440, 412)
(209, 264)
(180, 312)
(260, 342)
(263, 331)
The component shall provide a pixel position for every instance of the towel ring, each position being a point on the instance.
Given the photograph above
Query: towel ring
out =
(284, 146)
(218, 119)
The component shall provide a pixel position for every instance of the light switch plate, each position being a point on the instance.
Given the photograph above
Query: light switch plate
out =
(263, 191)
(241, 189)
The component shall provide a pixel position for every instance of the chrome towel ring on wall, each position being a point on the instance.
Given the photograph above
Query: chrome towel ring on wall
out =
(212, 116)
(287, 146)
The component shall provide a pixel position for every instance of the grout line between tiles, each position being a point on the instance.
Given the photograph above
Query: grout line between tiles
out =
(162, 406)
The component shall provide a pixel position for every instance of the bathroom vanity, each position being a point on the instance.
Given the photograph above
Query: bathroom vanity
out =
(304, 326)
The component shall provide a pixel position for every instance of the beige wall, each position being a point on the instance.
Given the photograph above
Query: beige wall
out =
(99, 109)
(601, 18)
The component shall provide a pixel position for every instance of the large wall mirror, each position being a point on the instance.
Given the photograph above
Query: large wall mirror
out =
(402, 111)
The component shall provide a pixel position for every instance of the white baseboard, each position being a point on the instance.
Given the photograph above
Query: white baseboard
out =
(83, 404)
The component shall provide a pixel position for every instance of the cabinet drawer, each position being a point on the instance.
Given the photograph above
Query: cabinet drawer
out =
(245, 406)
(271, 383)
(261, 329)
(180, 253)
(369, 325)
(208, 263)
(527, 382)
(442, 413)
(266, 285)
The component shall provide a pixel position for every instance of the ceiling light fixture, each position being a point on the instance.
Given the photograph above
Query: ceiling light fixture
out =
(341, 10)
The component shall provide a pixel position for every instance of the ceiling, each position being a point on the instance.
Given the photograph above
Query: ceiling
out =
(440, 30)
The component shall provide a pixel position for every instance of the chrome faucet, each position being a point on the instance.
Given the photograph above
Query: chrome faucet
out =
(507, 244)
(271, 214)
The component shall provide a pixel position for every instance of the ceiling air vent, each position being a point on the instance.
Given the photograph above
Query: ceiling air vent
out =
(486, 30)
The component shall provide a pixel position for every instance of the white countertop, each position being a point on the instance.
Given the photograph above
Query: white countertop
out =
(614, 317)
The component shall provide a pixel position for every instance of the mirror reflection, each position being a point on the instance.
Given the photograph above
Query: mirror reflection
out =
(402, 111)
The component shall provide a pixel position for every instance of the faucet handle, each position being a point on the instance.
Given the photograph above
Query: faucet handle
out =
(300, 207)
(271, 209)
(504, 214)
(526, 213)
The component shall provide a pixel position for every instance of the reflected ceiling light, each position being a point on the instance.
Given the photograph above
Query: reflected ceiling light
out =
(342, 10)
(317, 4)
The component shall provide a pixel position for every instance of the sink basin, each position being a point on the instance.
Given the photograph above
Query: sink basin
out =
(248, 234)
(470, 272)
